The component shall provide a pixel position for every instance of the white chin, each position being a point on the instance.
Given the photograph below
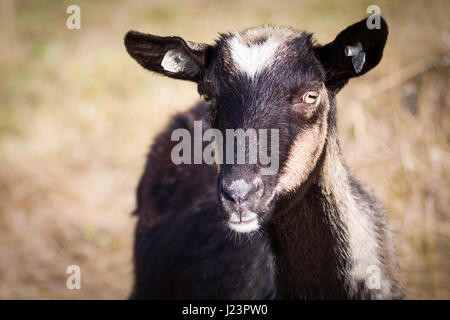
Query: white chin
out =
(244, 227)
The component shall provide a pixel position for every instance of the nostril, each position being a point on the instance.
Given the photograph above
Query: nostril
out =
(227, 196)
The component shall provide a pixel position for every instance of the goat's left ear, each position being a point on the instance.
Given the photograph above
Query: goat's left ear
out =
(171, 56)
(356, 50)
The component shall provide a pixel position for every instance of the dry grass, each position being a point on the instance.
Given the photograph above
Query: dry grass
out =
(77, 116)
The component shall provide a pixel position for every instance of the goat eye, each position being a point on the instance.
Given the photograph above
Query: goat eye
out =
(310, 97)
(206, 98)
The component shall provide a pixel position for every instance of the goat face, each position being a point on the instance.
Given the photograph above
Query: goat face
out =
(265, 80)
(268, 80)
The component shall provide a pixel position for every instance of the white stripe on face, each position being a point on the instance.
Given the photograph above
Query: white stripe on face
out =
(251, 60)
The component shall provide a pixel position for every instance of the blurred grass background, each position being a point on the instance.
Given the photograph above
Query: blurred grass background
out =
(77, 116)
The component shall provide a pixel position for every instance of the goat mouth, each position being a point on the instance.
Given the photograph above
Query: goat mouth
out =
(244, 226)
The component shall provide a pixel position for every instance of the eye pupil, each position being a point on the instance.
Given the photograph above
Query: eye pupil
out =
(310, 97)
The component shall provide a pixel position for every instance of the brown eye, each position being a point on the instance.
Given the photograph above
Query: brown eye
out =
(206, 98)
(310, 97)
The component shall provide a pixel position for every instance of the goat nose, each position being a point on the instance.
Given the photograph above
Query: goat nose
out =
(239, 190)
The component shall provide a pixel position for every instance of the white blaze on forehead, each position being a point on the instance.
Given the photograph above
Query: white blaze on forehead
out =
(253, 59)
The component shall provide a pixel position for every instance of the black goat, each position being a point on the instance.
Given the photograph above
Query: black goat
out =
(312, 230)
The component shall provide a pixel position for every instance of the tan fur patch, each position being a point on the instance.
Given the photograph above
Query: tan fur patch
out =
(361, 232)
(304, 153)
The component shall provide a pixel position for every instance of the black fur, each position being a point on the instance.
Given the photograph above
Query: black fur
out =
(184, 248)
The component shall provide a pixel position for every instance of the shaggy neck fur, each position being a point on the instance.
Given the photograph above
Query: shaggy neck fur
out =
(323, 237)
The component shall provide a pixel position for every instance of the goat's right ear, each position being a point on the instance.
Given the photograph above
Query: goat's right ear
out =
(171, 56)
